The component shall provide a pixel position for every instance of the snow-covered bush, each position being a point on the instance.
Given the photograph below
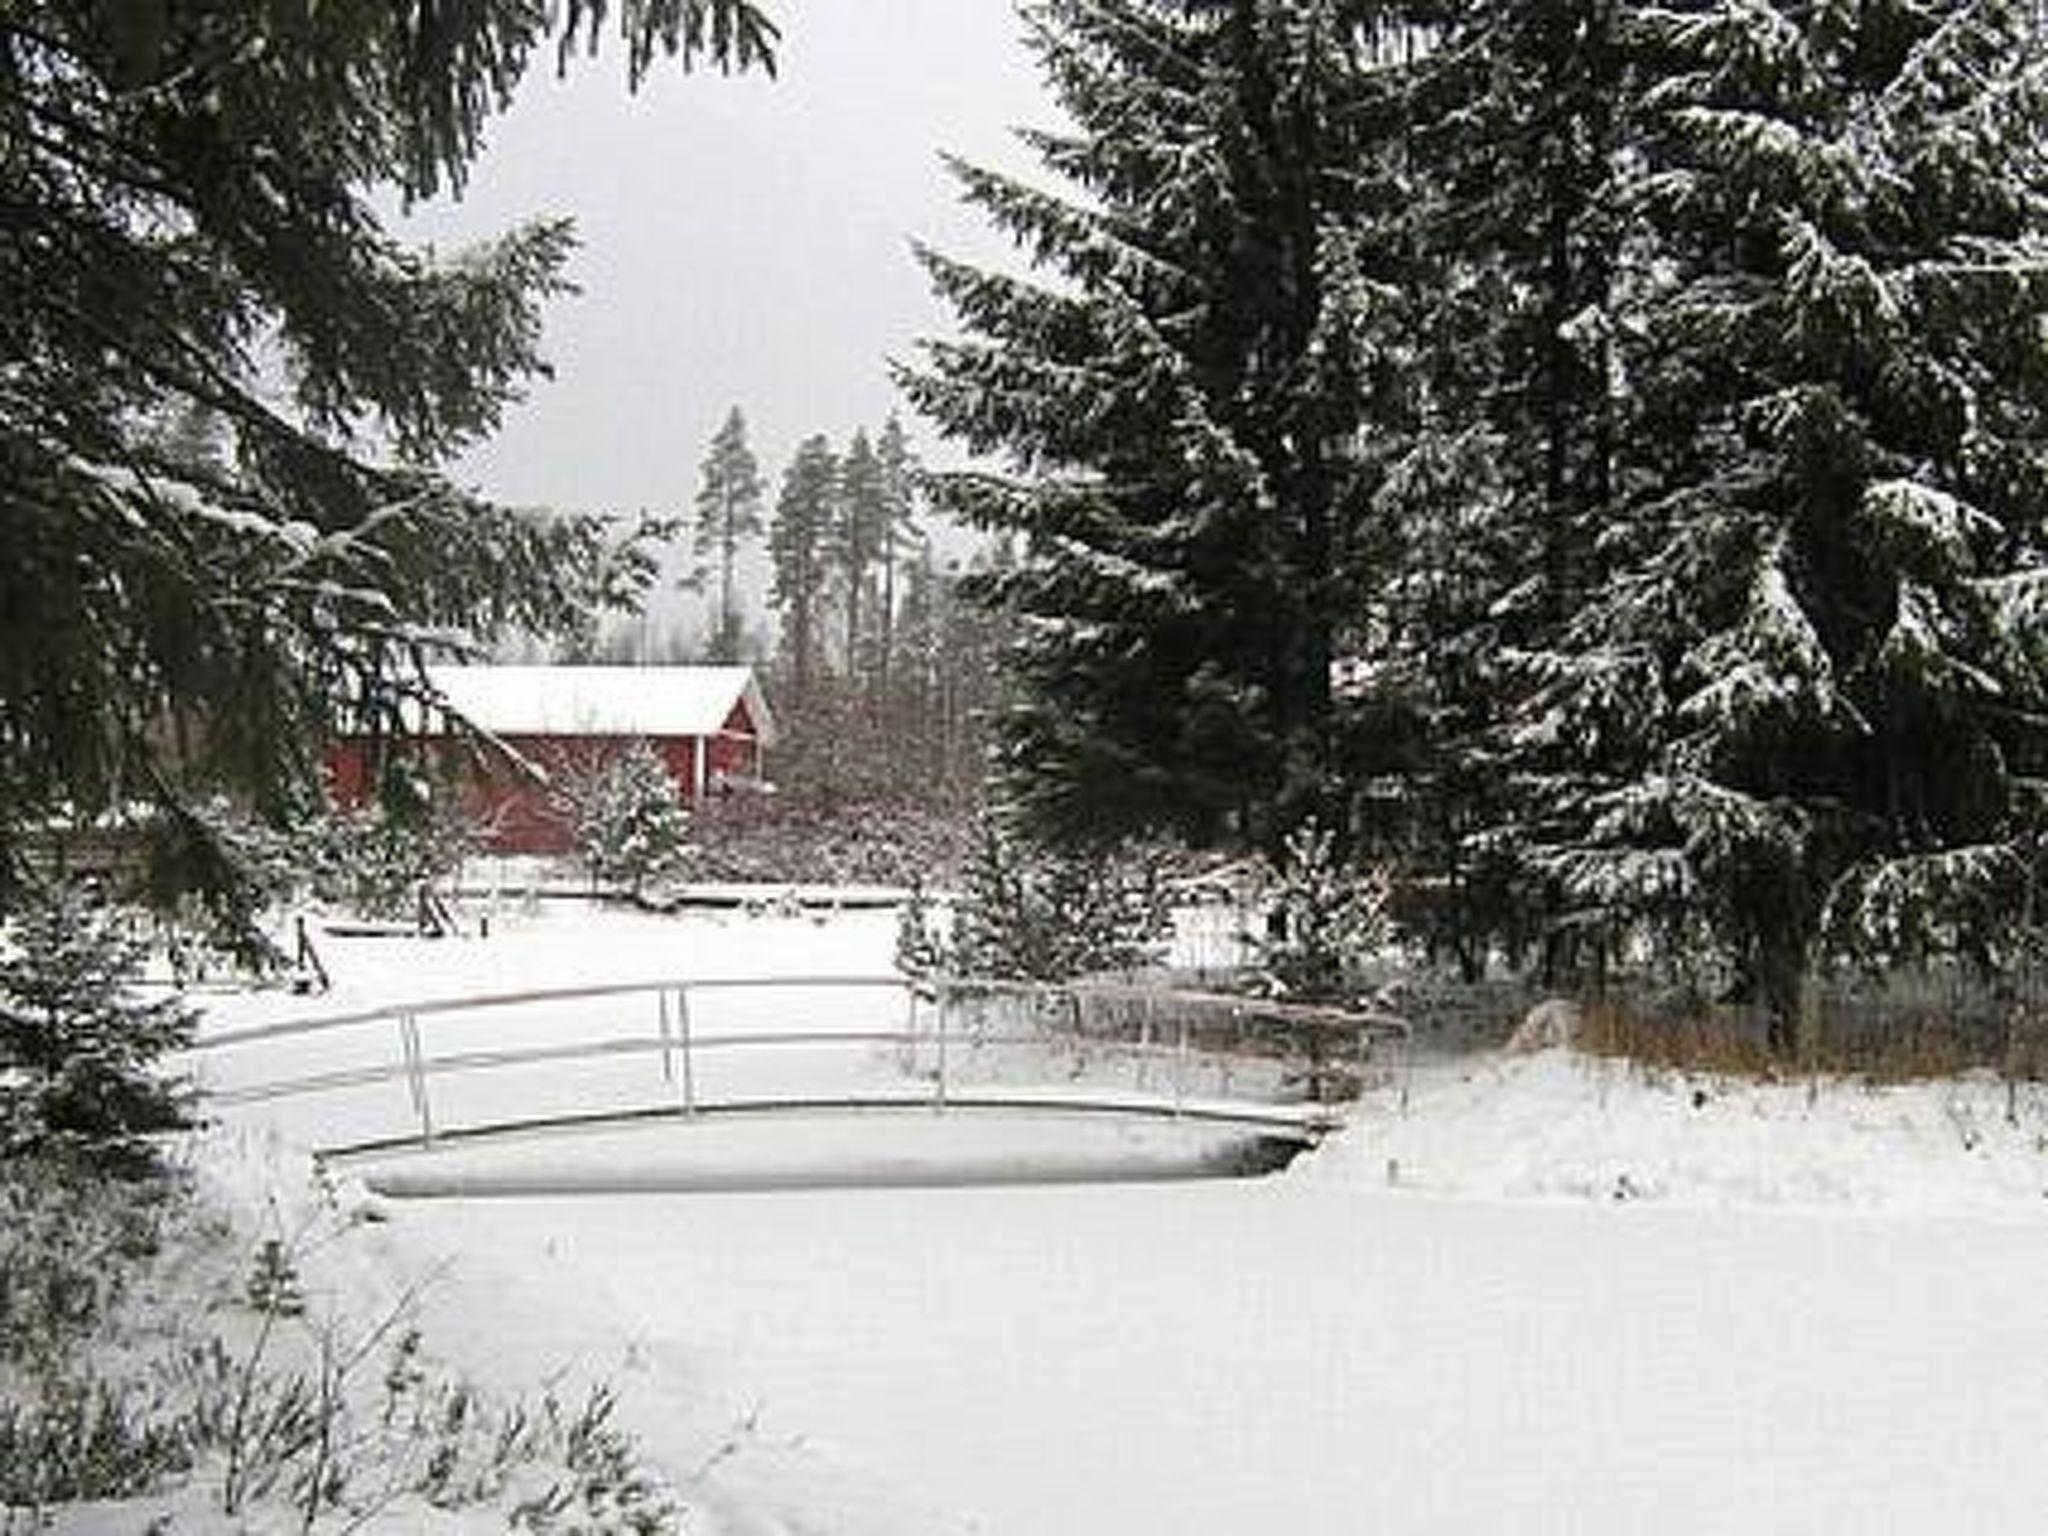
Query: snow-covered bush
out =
(626, 813)
(1030, 912)
(1325, 919)
(79, 1052)
(378, 861)
(801, 837)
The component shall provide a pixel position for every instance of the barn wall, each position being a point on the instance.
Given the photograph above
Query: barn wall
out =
(348, 773)
(735, 751)
(512, 805)
(515, 808)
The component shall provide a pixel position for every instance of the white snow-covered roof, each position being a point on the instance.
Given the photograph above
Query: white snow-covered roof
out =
(604, 701)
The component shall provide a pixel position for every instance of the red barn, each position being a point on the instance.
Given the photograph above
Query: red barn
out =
(710, 726)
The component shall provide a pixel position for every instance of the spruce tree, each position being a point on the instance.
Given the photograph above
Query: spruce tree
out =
(1807, 685)
(949, 680)
(1499, 448)
(728, 519)
(1325, 921)
(224, 386)
(1027, 912)
(80, 1072)
(1178, 402)
(626, 813)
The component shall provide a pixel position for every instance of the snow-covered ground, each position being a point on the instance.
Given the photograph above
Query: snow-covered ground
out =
(1541, 1294)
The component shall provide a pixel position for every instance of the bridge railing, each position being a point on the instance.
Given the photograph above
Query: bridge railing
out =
(1324, 1053)
(948, 1036)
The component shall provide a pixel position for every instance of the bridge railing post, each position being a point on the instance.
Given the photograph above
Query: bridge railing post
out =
(1180, 1061)
(689, 1056)
(668, 1036)
(1402, 1043)
(416, 1074)
(1144, 1037)
(945, 1007)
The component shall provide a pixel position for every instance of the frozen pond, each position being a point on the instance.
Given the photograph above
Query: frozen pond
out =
(1377, 1339)
(1217, 1359)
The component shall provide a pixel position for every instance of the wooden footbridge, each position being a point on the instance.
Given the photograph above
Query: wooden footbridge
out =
(457, 1070)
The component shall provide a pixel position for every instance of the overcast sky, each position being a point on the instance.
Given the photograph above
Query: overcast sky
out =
(744, 241)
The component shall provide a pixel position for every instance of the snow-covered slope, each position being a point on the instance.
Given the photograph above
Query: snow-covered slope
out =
(1557, 1125)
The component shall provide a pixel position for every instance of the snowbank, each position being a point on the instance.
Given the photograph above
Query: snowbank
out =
(1555, 1125)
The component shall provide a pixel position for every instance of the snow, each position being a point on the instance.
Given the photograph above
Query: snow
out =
(1554, 1126)
(1228, 1358)
(603, 700)
(1536, 1293)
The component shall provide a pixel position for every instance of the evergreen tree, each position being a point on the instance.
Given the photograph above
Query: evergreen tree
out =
(919, 674)
(1507, 442)
(1180, 403)
(1326, 921)
(1522, 98)
(798, 544)
(79, 1055)
(855, 543)
(728, 518)
(896, 469)
(205, 336)
(950, 650)
(1805, 696)
(385, 860)
(1027, 912)
(626, 812)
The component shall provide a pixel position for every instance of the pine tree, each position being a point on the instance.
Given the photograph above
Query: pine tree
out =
(805, 512)
(896, 469)
(1180, 404)
(855, 544)
(1811, 676)
(728, 519)
(208, 340)
(949, 677)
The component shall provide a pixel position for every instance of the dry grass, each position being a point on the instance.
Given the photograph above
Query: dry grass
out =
(1712, 1041)
(1902, 1047)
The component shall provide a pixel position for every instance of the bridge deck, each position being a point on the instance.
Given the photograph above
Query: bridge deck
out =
(1302, 1123)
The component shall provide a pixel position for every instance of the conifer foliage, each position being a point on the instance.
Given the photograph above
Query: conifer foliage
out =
(1814, 641)
(1326, 921)
(804, 513)
(728, 521)
(1032, 913)
(855, 542)
(626, 812)
(1178, 399)
(224, 386)
(1501, 454)
(1644, 405)
(79, 1053)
